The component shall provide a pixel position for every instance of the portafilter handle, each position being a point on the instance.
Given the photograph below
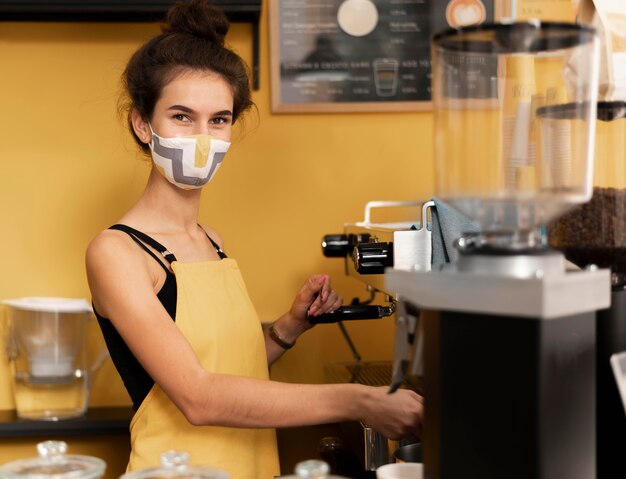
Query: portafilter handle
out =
(350, 313)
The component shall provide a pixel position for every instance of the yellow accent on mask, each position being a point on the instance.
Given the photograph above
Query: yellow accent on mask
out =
(203, 147)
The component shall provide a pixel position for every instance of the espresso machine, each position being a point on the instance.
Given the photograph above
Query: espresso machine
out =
(367, 248)
(509, 327)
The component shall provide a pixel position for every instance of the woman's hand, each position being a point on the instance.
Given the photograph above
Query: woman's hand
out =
(396, 416)
(315, 297)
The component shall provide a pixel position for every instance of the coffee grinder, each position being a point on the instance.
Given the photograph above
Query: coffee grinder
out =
(595, 234)
(509, 329)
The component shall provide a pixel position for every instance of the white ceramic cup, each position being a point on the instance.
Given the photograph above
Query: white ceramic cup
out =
(407, 470)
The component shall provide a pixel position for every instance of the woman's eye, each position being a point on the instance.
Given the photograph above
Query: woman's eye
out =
(181, 117)
(221, 120)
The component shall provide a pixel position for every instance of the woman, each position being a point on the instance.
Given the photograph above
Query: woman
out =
(173, 308)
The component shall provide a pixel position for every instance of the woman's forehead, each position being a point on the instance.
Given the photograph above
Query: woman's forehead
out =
(197, 90)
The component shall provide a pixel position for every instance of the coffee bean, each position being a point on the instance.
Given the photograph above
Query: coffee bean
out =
(595, 233)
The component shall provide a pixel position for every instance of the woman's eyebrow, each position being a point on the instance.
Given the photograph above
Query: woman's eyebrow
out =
(184, 108)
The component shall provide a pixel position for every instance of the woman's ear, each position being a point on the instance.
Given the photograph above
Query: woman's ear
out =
(141, 127)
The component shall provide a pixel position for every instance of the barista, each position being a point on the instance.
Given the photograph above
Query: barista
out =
(173, 307)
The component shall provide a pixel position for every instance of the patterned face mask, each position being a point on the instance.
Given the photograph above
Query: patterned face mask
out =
(188, 162)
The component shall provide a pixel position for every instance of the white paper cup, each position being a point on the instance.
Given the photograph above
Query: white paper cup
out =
(407, 470)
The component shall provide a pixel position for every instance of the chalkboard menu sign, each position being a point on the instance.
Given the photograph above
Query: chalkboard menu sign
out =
(360, 55)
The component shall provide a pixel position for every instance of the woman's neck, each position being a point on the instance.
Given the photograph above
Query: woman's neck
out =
(164, 207)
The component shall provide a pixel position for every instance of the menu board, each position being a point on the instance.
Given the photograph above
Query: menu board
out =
(360, 55)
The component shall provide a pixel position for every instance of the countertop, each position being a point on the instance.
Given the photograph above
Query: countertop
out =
(100, 420)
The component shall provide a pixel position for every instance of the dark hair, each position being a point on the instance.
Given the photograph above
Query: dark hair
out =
(192, 38)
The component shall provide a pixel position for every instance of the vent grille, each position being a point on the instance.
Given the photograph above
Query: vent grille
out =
(368, 373)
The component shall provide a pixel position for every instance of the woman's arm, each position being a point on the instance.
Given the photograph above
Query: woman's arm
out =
(123, 291)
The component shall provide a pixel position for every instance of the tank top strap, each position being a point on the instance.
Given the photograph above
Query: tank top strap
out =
(141, 238)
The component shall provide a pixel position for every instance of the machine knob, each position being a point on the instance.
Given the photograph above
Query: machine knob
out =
(336, 246)
(340, 246)
(372, 258)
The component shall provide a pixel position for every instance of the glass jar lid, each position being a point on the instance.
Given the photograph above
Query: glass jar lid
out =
(312, 469)
(174, 466)
(53, 463)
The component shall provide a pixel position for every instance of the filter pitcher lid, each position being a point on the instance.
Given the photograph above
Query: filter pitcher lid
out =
(50, 305)
(53, 463)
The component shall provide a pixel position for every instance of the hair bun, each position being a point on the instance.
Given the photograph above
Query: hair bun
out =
(198, 18)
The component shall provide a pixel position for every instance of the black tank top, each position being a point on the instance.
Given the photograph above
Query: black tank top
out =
(136, 380)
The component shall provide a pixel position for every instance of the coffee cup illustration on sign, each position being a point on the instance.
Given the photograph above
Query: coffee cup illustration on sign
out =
(385, 76)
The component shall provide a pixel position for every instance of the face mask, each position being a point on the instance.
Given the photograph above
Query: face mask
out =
(188, 162)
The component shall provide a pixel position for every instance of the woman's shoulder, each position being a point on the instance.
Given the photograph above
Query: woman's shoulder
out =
(214, 235)
(110, 246)
(116, 270)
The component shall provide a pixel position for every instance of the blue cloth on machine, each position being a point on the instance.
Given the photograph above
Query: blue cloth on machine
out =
(448, 225)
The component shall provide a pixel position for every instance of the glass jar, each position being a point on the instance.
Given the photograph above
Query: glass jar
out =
(312, 469)
(54, 463)
(500, 158)
(174, 465)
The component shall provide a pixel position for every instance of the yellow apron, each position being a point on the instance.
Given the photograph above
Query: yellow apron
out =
(218, 319)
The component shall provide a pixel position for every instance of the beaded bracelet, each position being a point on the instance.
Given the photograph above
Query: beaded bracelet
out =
(276, 338)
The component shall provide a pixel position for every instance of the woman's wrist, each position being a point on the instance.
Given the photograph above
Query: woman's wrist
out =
(278, 339)
(287, 329)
